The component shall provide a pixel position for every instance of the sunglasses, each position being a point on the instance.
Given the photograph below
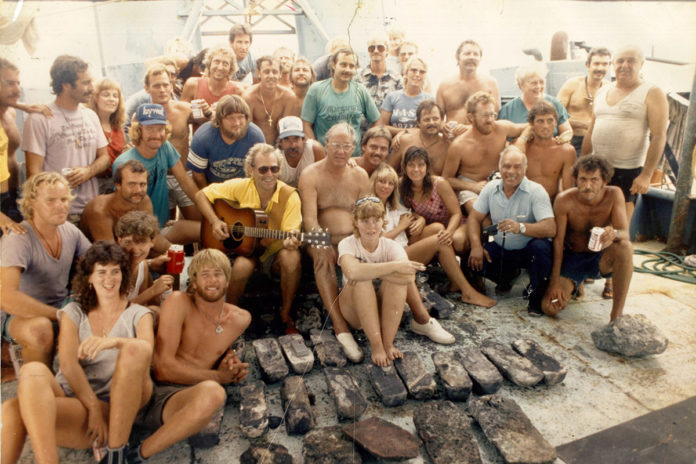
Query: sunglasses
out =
(369, 198)
(380, 48)
(264, 169)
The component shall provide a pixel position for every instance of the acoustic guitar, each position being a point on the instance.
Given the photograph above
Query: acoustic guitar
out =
(246, 226)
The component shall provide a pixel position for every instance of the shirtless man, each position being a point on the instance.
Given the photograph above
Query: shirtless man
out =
(474, 155)
(285, 58)
(592, 203)
(328, 190)
(375, 148)
(179, 115)
(9, 141)
(268, 101)
(430, 135)
(193, 356)
(577, 94)
(453, 92)
(549, 163)
(301, 77)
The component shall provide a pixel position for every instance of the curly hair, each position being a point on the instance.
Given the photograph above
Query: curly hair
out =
(259, 149)
(102, 252)
(64, 70)
(222, 51)
(412, 154)
(590, 163)
(118, 117)
(30, 190)
(139, 224)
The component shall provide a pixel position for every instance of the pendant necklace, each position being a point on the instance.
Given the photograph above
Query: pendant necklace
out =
(588, 98)
(78, 143)
(425, 147)
(218, 327)
(268, 114)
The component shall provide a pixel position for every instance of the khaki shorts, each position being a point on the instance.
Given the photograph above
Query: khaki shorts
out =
(465, 196)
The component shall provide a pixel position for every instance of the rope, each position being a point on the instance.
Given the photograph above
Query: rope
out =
(666, 264)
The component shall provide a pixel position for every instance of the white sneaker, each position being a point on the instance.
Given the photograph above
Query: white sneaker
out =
(350, 348)
(433, 330)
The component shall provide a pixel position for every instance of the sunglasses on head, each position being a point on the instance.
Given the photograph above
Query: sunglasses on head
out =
(380, 48)
(264, 169)
(369, 198)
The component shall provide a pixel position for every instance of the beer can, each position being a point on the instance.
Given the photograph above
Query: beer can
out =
(595, 243)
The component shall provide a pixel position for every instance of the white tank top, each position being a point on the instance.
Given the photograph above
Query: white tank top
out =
(291, 175)
(135, 291)
(620, 131)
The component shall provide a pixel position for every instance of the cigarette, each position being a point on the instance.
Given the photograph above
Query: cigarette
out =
(555, 300)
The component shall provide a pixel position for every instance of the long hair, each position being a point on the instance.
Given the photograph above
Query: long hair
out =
(412, 154)
(102, 252)
(386, 172)
(118, 117)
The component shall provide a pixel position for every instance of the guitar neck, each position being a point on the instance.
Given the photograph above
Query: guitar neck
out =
(259, 232)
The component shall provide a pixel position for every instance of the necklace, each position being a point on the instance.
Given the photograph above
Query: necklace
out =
(425, 146)
(54, 253)
(589, 98)
(268, 114)
(78, 142)
(108, 321)
(218, 327)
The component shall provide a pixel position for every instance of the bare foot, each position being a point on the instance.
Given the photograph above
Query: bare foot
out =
(379, 358)
(477, 299)
(394, 353)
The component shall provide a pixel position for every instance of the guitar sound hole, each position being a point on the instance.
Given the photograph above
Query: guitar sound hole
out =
(237, 231)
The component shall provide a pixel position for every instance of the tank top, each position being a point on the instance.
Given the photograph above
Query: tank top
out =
(290, 175)
(203, 91)
(620, 131)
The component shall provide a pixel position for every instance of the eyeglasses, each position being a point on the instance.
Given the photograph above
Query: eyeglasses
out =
(380, 48)
(341, 146)
(368, 198)
(264, 169)
(487, 115)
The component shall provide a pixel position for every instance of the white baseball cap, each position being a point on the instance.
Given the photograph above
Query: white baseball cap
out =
(290, 126)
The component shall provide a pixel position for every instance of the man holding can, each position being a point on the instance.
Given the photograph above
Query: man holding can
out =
(579, 252)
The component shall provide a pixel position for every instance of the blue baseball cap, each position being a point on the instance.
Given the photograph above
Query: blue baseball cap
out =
(149, 114)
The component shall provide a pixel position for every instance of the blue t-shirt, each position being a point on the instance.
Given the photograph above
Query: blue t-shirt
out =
(529, 203)
(219, 161)
(515, 111)
(403, 108)
(323, 107)
(157, 166)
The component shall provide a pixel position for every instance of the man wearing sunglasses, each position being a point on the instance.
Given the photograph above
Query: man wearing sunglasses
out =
(261, 189)
(378, 78)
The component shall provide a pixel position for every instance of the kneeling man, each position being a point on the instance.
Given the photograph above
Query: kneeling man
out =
(592, 203)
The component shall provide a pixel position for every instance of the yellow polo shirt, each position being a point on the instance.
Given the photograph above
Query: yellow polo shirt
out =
(243, 193)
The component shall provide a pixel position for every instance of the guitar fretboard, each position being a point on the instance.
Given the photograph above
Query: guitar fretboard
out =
(259, 232)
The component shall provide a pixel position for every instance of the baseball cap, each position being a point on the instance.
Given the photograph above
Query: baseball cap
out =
(290, 126)
(149, 114)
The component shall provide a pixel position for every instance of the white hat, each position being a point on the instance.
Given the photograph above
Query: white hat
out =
(290, 126)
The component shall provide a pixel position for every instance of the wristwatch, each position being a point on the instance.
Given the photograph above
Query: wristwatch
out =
(523, 228)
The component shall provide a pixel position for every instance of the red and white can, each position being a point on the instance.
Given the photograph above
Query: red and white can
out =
(175, 265)
(595, 243)
(197, 108)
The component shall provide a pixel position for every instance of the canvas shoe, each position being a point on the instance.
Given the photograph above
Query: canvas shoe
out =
(350, 348)
(433, 330)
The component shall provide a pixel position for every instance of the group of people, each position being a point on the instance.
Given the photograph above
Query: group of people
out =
(394, 176)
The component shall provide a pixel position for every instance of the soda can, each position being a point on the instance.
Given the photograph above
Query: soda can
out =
(66, 172)
(595, 243)
(175, 265)
(197, 108)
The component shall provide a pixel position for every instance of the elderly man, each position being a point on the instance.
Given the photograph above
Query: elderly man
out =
(454, 91)
(268, 101)
(577, 94)
(261, 190)
(522, 212)
(71, 140)
(298, 152)
(431, 135)
(329, 189)
(377, 77)
(219, 147)
(474, 155)
(338, 99)
(375, 148)
(36, 266)
(592, 204)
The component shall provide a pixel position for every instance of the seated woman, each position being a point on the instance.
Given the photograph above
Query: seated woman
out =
(398, 220)
(135, 231)
(398, 110)
(438, 213)
(364, 257)
(104, 348)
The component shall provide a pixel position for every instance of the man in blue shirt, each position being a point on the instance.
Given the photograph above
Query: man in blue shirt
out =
(219, 147)
(522, 211)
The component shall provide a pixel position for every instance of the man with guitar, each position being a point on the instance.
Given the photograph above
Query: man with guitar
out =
(280, 210)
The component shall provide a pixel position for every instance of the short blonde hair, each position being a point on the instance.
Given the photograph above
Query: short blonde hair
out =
(409, 63)
(208, 257)
(259, 149)
(30, 190)
(366, 209)
(224, 51)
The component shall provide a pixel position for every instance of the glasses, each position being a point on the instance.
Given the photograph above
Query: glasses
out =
(365, 199)
(380, 48)
(341, 146)
(264, 169)
(487, 115)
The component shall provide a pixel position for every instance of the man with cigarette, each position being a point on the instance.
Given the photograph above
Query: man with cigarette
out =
(592, 238)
